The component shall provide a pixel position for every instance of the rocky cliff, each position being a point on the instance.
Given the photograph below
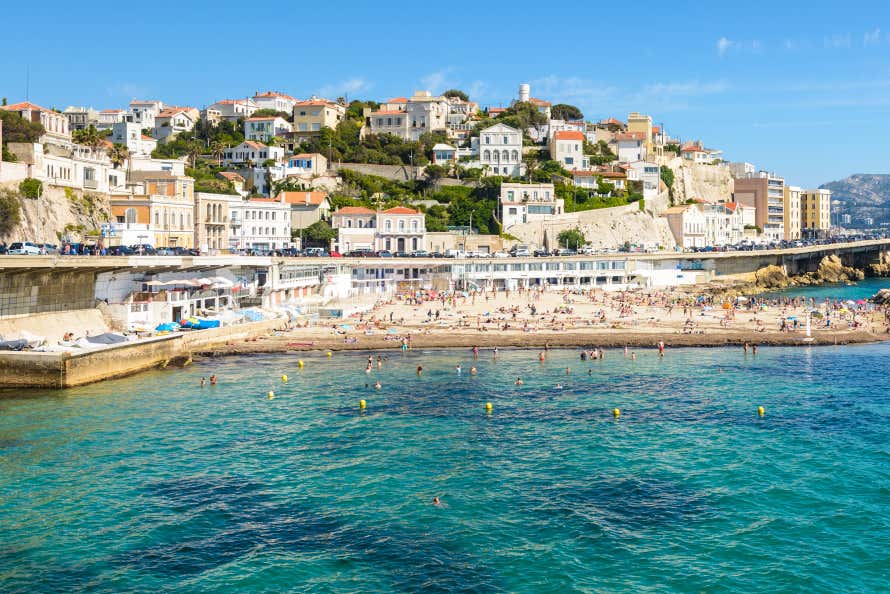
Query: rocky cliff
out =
(712, 183)
(862, 195)
(58, 212)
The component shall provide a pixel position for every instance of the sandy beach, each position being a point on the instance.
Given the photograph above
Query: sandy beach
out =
(575, 319)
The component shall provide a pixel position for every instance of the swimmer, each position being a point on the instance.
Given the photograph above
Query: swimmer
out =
(379, 362)
(559, 386)
(437, 501)
(661, 348)
(495, 352)
(203, 382)
(419, 369)
(541, 356)
(633, 356)
(457, 368)
(368, 368)
(377, 384)
(568, 370)
(473, 370)
(475, 352)
(518, 381)
(213, 380)
(753, 349)
(625, 350)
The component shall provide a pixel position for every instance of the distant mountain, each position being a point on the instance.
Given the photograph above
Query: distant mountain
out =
(862, 195)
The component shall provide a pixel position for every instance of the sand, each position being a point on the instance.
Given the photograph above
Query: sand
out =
(567, 319)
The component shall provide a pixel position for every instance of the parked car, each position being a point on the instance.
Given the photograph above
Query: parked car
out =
(384, 254)
(144, 249)
(521, 253)
(500, 255)
(23, 248)
(539, 253)
(419, 254)
(120, 250)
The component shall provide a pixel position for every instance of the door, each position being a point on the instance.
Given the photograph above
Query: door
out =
(400, 244)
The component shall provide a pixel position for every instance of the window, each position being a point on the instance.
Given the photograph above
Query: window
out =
(388, 225)
(414, 225)
(488, 140)
(506, 140)
(516, 156)
(486, 156)
(401, 225)
(130, 215)
(379, 121)
(348, 223)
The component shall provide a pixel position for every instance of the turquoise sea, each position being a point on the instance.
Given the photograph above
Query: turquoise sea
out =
(861, 290)
(153, 484)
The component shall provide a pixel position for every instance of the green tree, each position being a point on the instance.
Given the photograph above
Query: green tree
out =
(89, 136)
(217, 149)
(318, 233)
(271, 113)
(433, 173)
(571, 238)
(10, 211)
(667, 176)
(457, 93)
(436, 218)
(118, 154)
(18, 129)
(564, 111)
(31, 188)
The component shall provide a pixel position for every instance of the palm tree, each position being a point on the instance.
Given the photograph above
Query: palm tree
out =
(193, 149)
(217, 149)
(89, 136)
(118, 154)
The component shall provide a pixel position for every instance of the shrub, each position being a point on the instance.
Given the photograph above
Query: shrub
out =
(31, 188)
(10, 211)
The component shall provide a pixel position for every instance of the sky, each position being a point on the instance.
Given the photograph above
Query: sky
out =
(798, 88)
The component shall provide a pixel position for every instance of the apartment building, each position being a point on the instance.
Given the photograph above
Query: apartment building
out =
(312, 115)
(792, 213)
(528, 203)
(766, 193)
(815, 212)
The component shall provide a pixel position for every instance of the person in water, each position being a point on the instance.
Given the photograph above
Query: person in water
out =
(518, 381)
(495, 352)
(203, 382)
(458, 368)
(437, 501)
(419, 370)
(473, 370)
(377, 385)
(213, 380)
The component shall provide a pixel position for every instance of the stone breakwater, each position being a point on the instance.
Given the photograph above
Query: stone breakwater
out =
(774, 278)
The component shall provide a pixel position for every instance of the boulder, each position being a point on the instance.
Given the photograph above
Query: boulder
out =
(771, 277)
(882, 297)
(832, 270)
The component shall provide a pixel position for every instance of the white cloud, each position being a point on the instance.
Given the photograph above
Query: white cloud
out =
(439, 81)
(872, 37)
(842, 40)
(350, 86)
(723, 45)
(687, 88)
(726, 45)
(476, 89)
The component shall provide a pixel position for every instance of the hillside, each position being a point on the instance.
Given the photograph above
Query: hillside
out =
(862, 195)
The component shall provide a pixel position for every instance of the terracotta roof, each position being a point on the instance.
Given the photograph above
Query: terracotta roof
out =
(274, 94)
(144, 137)
(112, 111)
(538, 102)
(305, 156)
(262, 118)
(172, 111)
(387, 112)
(677, 209)
(608, 121)
(581, 173)
(354, 210)
(315, 198)
(401, 210)
(263, 200)
(612, 174)
(630, 136)
(398, 100)
(316, 102)
(232, 102)
(568, 135)
(656, 129)
(231, 176)
(692, 148)
(255, 145)
(23, 106)
(497, 109)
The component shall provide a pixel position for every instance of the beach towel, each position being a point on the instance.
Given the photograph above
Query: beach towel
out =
(13, 345)
(107, 338)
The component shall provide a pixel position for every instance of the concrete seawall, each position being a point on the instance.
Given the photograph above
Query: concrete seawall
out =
(64, 370)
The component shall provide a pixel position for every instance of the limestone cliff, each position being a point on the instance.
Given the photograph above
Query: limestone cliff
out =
(58, 212)
(712, 183)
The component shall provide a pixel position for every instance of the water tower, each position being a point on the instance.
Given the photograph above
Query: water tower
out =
(524, 93)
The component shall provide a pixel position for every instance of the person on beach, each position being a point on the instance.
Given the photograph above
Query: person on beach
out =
(379, 362)
(746, 348)
(495, 353)
(753, 349)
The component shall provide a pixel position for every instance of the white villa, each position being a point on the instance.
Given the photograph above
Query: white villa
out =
(397, 229)
(500, 150)
(525, 203)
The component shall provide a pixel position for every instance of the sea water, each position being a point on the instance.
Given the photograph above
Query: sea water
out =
(863, 289)
(153, 483)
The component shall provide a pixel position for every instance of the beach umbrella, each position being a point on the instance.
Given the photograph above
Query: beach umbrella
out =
(860, 302)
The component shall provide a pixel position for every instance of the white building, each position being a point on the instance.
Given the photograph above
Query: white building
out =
(306, 165)
(145, 112)
(528, 203)
(500, 151)
(259, 224)
(264, 128)
(388, 121)
(129, 133)
(631, 146)
(80, 118)
(252, 152)
(55, 124)
(723, 224)
(687, 224)
(232, 109)
(444, 154)
(567, 147)
(397, 229)
(274, 100)
(172, 121)
(78, 167)
(697, 153)
(741, 169)
(426, 113)
(649, 174)
(109, 117)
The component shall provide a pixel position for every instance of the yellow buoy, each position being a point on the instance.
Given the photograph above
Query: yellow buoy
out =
(300, 364)
(362, 404)
(271, 394)
(616, 412)
(488, 406)
(330, 354)
(284, 378)
(760, 411)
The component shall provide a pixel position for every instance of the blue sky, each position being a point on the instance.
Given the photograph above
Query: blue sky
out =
(802, 89)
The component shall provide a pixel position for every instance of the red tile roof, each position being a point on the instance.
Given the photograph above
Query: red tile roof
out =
(144, 137)
(608, 121)
(387, 112)
(398, 100)
(538, 102)
(630, 136)
(112, 111)
(262, 118)
(274, 94)
(401, 210)
(23, 106)
(354, 210)
(305, 156)
(315, 198)
(569, 135)
(692, 148)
